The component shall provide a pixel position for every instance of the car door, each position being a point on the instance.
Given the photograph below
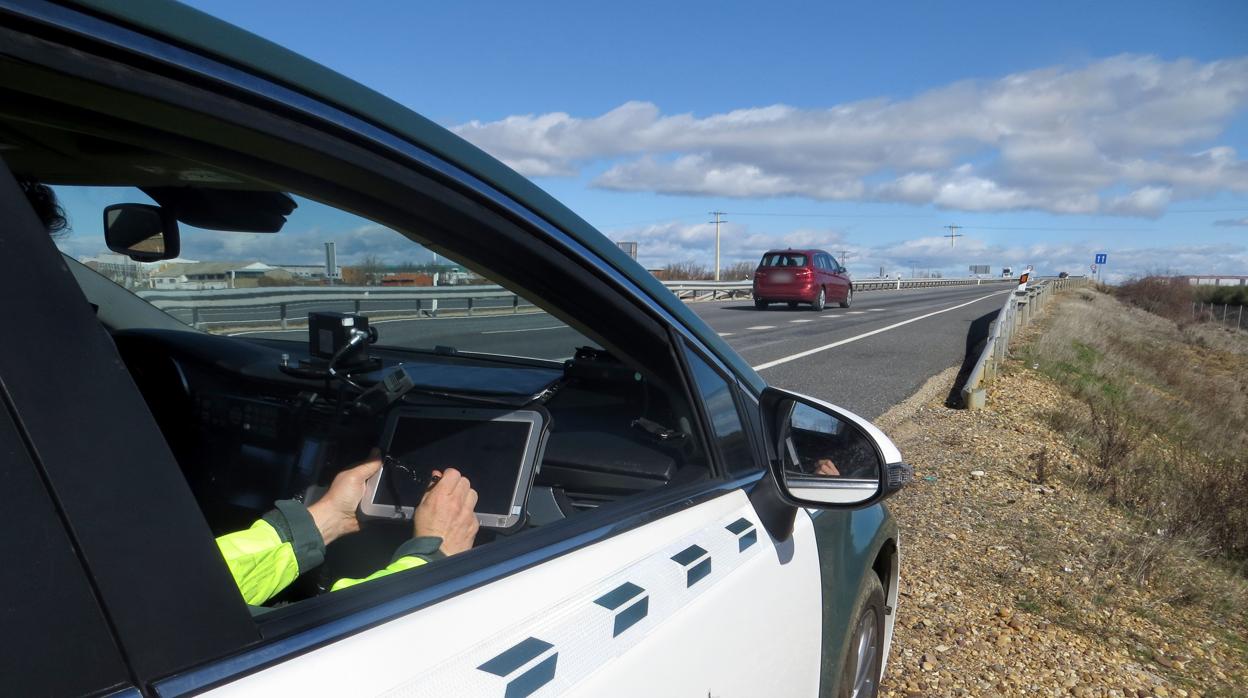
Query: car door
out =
(839, 279)
(671, 607)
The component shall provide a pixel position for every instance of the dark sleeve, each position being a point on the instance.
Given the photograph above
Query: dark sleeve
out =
(424, 547)
(295, 525)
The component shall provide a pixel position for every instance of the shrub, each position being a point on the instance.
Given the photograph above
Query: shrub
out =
(1166, 296)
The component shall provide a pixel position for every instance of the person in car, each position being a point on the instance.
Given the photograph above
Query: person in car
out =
(291, 538)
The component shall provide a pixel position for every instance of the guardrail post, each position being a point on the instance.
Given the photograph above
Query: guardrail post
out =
(357, 306)
(195, 317)
(515, 305)
(282, 312)
(469, 306)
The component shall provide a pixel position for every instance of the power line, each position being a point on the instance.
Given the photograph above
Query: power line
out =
(1062, 230)
(953, 233)
(829, 215)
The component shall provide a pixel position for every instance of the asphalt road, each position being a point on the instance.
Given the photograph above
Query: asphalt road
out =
(878, 361)
(866, 358)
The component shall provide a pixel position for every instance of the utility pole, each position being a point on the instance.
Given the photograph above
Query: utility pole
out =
(717, 221)
(844, 256)
(953, 233)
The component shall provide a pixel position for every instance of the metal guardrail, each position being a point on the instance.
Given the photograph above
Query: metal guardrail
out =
(1020, 308)
(715, 290)
(233, 306)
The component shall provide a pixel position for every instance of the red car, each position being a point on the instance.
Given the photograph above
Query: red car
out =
(801, 276)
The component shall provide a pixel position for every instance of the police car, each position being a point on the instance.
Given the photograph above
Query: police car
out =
(655, 520)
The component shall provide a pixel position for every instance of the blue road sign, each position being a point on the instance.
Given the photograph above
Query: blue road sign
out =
(1102, 257)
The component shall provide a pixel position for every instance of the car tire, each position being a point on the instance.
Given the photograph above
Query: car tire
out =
(849, 297)
(792, 305)
(864, 654)
(820, 301)
(760, 304)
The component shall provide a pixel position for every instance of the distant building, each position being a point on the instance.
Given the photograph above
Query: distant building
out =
(407, 279)
(304, 271)
(217, 275)
(122, 270)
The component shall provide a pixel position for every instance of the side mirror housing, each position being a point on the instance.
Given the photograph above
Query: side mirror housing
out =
(142, 232)
(825, 457)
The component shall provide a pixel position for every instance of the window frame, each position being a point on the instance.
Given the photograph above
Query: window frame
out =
(364, 606)
(734, 389)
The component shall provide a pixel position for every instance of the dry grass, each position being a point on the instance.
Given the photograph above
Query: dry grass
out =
(1161, 418)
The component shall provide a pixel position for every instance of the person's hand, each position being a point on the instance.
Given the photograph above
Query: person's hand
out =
(334, 513)
(447, 512)
(827, 468)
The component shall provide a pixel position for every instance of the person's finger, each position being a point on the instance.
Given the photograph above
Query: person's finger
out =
(368, 468)
(472, 500)
(462, 488)
(450, 476)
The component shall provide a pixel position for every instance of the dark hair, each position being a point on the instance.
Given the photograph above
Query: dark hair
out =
(43, 200)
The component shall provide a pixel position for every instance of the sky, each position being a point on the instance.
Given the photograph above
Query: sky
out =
(1046, 131)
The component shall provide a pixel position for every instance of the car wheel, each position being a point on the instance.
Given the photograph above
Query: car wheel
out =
(760, 304)
(820, 300)
(860, 675)
(849, 297)
(792, 304)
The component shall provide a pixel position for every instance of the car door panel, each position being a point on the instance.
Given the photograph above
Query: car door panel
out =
(616, 618)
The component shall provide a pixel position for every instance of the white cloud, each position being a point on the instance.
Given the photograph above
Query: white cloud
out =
(660, 244)
(1066, 140)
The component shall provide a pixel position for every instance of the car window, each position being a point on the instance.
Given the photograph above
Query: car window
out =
(264, 285)
(719, 400)
(253, 415)
(783, 259)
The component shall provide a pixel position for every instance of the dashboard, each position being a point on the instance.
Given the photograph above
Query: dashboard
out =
(247, 431)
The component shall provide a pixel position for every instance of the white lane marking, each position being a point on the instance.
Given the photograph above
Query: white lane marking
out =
(833, 345)
(527, 329)
(725, 334)
(762, 327)
(875, 310)
(856, 312)
(829, 316)
(799, 320)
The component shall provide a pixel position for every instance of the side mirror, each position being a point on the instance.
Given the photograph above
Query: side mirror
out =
(825, 457)
(142, 232)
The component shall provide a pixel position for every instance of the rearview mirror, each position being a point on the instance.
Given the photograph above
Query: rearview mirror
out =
(825, 457)
(142, 232)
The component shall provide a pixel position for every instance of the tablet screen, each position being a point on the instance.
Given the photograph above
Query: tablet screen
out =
(489, 453)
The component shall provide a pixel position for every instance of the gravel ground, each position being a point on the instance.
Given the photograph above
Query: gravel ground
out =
(1013, 587)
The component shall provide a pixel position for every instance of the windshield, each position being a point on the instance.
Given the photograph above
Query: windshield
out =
(264, 285)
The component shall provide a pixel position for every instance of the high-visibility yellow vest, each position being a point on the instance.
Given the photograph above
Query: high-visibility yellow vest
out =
(275, 550)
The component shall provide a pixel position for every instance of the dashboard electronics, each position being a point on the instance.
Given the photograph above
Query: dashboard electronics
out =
(498, 450)
(330, 336)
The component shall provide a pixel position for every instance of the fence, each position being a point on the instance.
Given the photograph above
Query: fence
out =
(1227, 316)
(1019, 309)
(715, 290)
(281, 306)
